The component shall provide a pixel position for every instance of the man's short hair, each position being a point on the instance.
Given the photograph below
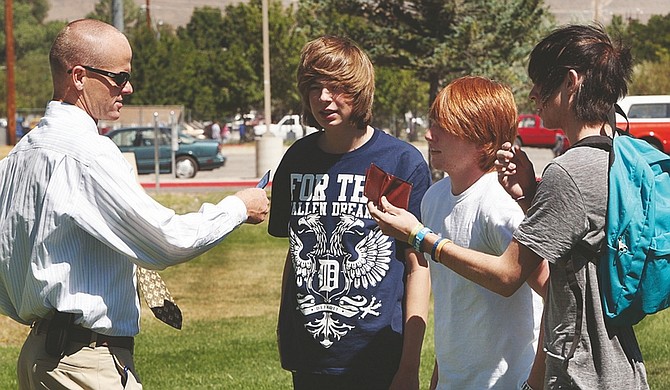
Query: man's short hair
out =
(78, 43)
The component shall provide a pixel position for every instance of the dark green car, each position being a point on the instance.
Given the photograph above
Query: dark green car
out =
(192, 155)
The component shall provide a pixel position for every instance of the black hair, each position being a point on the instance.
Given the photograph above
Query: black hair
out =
(606, 68)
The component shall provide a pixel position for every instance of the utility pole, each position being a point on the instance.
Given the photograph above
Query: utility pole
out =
(149, 14)
(117, 15)
(9, 54)
(266, 66)
(269, 149)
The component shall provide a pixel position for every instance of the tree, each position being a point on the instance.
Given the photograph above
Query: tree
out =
(214, 64)
(398, 92)
(442, 39)
(103, 12)
(160, 63)
(32, 38)
(243, 36)
(650, 47)
(225, 81)
(446, 39)
(650, 41)
(651, 77)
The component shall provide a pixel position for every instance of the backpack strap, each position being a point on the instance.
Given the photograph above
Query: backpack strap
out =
(596, 141)
(618, 110)
(602, 141)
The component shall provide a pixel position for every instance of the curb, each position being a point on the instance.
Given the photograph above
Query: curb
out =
(201, 184)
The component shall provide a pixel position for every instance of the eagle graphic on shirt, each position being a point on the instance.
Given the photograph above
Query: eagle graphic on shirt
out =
(336, 284)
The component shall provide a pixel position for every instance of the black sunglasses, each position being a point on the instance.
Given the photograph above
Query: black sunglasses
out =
(120, 78)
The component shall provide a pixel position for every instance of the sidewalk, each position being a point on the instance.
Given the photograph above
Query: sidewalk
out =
(239, 172)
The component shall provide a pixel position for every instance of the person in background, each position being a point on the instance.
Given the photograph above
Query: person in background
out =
(75, 224)
(354, 301)
(216, 132)
(20, 130)
(225, 133)
(578, 75)
(243, 131)
(470, 119)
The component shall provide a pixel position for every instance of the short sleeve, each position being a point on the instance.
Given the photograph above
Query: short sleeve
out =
(557, 218)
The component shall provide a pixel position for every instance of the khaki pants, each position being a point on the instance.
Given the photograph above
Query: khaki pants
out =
(82, 367)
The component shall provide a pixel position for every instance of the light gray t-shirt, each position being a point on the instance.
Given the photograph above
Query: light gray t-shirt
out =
(568, 213)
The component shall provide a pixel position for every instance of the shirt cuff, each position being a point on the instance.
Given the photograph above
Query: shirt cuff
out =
(235, 207)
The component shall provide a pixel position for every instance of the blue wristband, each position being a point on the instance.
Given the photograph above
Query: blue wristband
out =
(419, 238)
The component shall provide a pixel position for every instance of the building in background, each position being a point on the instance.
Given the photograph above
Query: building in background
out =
(567, 11)
(173, 12)
(178, 12)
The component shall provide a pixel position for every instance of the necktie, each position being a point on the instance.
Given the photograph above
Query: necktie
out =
(158, 297)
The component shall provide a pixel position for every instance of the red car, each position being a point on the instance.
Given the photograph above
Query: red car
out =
(531, 132)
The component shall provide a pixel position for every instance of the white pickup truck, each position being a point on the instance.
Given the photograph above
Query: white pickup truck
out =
(288, 128)
(649, 119)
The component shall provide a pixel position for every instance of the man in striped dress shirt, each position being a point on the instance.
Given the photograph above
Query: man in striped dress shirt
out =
(75, 224)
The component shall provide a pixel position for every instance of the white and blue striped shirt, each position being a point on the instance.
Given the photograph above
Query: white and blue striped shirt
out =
(74, 222)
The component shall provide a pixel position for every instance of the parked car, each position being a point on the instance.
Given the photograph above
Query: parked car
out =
(649, 119)
(192, 155)
(289, 128)
(531, 132)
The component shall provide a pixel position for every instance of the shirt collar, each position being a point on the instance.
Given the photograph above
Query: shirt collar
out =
(69, 115)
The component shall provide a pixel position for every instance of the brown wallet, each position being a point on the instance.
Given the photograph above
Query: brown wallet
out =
(379, 183)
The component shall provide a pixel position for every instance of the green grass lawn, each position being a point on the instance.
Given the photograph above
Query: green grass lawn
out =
(230, 298)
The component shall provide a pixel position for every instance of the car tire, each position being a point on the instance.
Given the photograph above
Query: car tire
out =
(185, 167)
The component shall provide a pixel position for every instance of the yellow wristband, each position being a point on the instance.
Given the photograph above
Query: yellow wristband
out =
(438, 248)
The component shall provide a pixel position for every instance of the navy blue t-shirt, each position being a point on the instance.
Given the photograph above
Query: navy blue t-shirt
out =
(342, 308)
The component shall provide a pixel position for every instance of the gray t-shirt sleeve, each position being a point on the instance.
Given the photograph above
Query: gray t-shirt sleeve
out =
(557, 219)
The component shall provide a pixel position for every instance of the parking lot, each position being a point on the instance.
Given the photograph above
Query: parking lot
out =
(240, 169)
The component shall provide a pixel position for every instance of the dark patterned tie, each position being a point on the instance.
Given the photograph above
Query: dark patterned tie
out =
(158, 297)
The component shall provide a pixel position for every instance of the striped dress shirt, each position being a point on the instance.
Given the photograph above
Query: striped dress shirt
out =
(74, 223)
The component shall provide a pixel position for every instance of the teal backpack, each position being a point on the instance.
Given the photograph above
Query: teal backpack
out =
(634, 262)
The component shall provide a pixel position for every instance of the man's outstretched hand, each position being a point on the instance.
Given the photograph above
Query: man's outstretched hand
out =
(257, 202)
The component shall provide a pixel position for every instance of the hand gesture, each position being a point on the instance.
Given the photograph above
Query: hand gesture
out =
(257, 202)
(393, 221)
(515, 172)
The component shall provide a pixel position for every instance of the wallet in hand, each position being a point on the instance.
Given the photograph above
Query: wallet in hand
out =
(379, 183)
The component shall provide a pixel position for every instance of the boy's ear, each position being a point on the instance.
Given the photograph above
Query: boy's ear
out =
(572, 80)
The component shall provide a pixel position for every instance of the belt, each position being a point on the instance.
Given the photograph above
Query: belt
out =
(87, 336)
(78, 334)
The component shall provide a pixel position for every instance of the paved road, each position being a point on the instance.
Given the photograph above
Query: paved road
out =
(240, 170)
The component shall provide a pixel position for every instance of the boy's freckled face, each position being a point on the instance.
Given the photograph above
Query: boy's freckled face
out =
(449, 152)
